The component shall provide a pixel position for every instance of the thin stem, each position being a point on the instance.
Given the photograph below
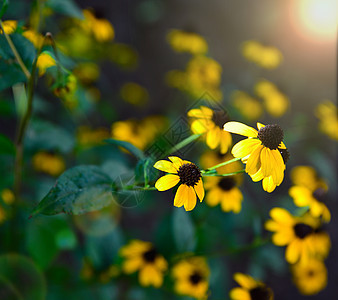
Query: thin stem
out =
(16, 53)
(183, 143)
(223, 175)
(222, 164)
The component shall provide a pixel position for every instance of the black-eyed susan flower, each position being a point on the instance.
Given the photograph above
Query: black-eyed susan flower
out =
(52, 164)
(304, 176)
(192, 277)
(143, 257)
(9, 26)
(309, 278)
(303, 236)
(327, 113)
(249, 107)
(210, 122)
(313, 197)
(184, 41)
(45, 61)
(134, 93)
(250, 289)
(187, 174)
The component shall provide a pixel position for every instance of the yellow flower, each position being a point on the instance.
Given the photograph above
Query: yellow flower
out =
(184, 41)
(51, 164)
(35, 38)
(90, 137)
(310, 278)
(250, 289)
(265, 56)
(102, 30)
(327, 113)
(123, 55)
(303, 236)
(87, 72)
(66, 91)
(192, 277)
(248, 106)
(142, 256)
(9, 26)
(263, 152)
(45, 61)
(275, 102)
(7, 196)
(183, 172)
(134, 93)
(211, 123)
(304, 176)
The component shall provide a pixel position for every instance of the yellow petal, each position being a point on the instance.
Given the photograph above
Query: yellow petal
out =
(282, 216)
(213, 197)
(200, 126)
(257, 176)
(203, 113)
(239, 294)
(149, 275)
(283, 238)
(293, 251)
(166, 182)
(213, 137)
(282, 146)
(199, 189)
(245, 147)
(268, 184)
(181, 195)
(267, 162)
(165, 166)
(131, 265)
(240, 128)
(177, 162)
(190, 201)
(278, 166)
(253, 164)
(260, 125)
(245, 281)
(226, 141)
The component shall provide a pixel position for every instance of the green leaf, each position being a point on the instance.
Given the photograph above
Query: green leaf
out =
(4, 7)
(6, 145)
(65, 7)
(78, 190)
(183, 230)
(10, 74)
(145, 172)
(48, 136)
(131, 148)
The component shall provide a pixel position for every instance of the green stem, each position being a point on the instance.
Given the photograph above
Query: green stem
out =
(223, 175)
(16, 53)
(183, 143)
(222, 164)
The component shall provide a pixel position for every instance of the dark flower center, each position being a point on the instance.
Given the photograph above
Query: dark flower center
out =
(261, 292)
(320, 195)
(189, 174)
(150, 255)
(271, 136)
(220, 117)
(302, 230)
(227, 183)
(285, 154)
(195, 278)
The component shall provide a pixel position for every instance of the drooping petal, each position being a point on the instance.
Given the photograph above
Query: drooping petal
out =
(166, 182)
(181, 195)
(253, 164)
(213, 137)
(244, 147)
(202, 113)
(239, 294)
(190, 201)
(278, 167)
(201, 126)
(165, 166)
(268, 184)
(199, 189)
(293, 251)
(245, 281)
(133, 264)
(226, 141)
(257, 176)
(213, 197)
(240, 128)
(267, 162)
(149, 275)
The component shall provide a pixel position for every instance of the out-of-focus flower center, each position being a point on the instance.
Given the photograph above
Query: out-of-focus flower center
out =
(150, 255)
(261, 293)
(189, 174)
(320, 195)
(227, 183)
(271, 136)
(220, 117)
(195, 278)
(302, 230)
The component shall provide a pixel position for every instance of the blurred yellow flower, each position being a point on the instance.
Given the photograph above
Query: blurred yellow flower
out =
(87, 136)
(35, 37)
(140, 133)
(192, 277)
(9, 26)
(327, 113)
(309, 278)
(210, 122)
(249, 107)
(45, 61)
(305, 176)
(52, 164)
(262, 152)
(102, 30)
(87, 72)
(66, 91)
(7, 196)
(143, 257)
(265, 56)
(250, 289)
(184, 41)
(134, 93)
(275, 102)
(123, 55)
(302, 236)
(187, 174)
